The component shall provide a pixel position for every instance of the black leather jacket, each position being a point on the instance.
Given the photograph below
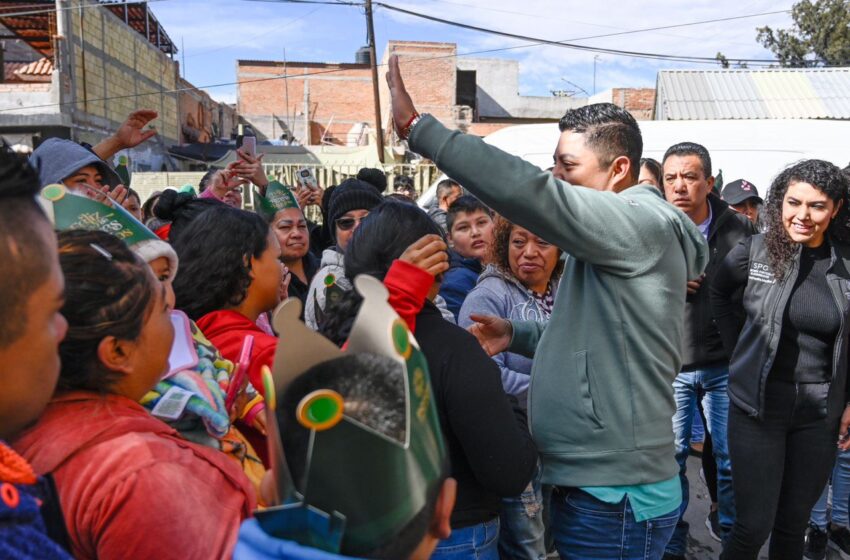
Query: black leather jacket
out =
(701, 344)
(765, 299)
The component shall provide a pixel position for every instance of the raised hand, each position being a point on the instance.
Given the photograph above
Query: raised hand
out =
(130, 134)
(402, 105)
(250, 168)
(493, 333)
(428, 253)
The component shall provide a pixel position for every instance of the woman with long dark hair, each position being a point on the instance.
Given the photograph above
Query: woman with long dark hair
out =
(491, 451)
(788, 371)
(130, 486)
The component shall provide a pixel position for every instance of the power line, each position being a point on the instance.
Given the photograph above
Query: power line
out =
(253, 37)
(564, 44)
(537, 42)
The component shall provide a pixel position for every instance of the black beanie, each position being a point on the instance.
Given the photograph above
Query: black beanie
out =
(351, 194)
(374, 177)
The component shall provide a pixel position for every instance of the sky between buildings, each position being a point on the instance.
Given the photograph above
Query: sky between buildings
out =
(215, 33)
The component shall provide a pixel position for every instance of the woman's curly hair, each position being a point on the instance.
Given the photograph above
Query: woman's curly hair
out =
(215, 253)
(500, 250)
(824, 176)
(108, 292)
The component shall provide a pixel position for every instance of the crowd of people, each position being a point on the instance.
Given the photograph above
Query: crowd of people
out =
(514, 373)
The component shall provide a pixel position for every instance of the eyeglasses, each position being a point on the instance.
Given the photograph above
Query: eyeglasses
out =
(346, 224)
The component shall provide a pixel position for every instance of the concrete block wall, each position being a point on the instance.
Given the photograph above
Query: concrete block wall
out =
(115, 71)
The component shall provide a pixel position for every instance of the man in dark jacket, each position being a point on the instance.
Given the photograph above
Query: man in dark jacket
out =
(705, 365)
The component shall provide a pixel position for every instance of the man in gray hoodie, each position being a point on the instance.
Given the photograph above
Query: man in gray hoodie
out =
(601, 399)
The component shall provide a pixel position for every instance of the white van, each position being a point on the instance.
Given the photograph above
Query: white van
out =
(755, 150)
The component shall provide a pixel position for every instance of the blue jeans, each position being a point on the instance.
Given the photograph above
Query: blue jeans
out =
(521, 534)
(710, 385)
(840, 495)
(478, 542)
(585, 527)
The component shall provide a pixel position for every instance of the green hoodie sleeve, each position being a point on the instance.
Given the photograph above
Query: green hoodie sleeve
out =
(526, 335)
(618, 232)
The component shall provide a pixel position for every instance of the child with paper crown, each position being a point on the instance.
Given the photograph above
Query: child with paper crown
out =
(193, 390)
(359, 460)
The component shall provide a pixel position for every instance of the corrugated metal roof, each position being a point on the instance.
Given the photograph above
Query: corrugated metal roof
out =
(817, 93)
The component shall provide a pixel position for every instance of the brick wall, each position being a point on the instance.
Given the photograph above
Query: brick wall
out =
(640, 102)
(324, 99)
(340, 96)
(111, 65)
(202, 118)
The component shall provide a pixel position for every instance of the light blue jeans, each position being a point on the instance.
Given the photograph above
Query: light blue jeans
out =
(585, 527)
(521, 534)
(840, 495)
(478, 542)
(710, 384)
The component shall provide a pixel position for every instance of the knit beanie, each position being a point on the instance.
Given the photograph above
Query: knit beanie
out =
(374, 177)
(351, 194)
(151, 249)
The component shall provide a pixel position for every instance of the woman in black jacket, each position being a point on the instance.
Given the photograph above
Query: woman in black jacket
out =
(491, 451)
(788, 372)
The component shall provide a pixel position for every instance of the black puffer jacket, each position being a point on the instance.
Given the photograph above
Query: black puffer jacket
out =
(701, 345)
(754, 347)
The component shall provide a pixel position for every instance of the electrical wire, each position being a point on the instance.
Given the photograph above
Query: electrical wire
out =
(563, 44)
(254, 37)
(335, 70)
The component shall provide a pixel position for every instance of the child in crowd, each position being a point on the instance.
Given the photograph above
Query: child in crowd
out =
(470, 227)
(129, 485)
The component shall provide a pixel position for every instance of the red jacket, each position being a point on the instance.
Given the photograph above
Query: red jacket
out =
(131, 487)
(408, 287)
(227, 330)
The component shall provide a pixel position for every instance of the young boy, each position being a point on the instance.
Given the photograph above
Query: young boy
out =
(470, 227)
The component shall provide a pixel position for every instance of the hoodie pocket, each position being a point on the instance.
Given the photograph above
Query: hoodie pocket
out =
(586, 388)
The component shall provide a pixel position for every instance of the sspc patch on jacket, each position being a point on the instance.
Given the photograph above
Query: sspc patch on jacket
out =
(760, 272)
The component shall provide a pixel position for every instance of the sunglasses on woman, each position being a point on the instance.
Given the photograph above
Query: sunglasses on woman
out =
(346, 224)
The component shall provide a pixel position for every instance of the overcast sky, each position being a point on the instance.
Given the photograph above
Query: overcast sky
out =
(218, 32)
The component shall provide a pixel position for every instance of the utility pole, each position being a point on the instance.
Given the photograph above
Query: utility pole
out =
(595, 58)
(370, 31)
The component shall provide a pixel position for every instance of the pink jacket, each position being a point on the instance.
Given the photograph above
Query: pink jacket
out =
(130, 487)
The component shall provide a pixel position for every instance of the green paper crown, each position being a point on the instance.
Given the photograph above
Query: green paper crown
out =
(71, 211)
(278, 197)
(360, 487)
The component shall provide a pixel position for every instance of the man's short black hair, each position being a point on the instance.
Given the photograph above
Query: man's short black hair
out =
(690, 149)
(466, 204)
(445, 188)
(609, 131)
(25, 250)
